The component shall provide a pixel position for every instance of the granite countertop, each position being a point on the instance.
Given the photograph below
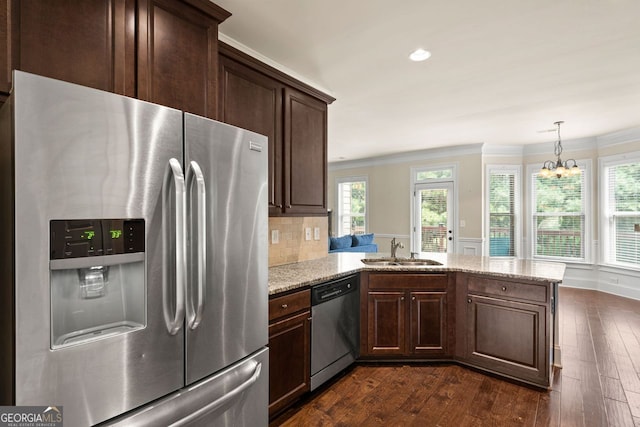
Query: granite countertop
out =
(287, 277)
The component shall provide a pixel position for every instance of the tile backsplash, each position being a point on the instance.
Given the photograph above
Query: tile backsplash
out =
(292, 245)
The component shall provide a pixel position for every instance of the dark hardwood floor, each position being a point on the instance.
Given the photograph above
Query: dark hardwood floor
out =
(599, 384)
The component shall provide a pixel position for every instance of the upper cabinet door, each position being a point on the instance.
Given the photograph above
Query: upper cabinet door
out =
(305, 154)
(82, 42)
(178, 54)
(253, 101)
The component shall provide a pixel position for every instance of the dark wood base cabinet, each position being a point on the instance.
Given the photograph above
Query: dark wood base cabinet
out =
(406, 315)
(289, 349)
(428, 316)
(504, 326)
(509, 327)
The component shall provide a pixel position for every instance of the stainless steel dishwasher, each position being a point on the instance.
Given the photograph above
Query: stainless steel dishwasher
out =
(335, 328)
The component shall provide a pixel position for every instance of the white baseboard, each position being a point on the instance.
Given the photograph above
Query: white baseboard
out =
(614, 281)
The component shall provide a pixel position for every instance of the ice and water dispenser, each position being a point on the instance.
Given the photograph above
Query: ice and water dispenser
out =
(97, 271)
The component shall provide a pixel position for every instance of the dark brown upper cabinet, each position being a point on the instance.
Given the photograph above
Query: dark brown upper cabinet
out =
(163, 51)
(77, 41)
(178, 54)
(253, 101)
(293, 116)
(305, 154)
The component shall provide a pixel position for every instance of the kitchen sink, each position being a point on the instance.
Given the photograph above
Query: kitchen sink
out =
(378, 261)
(417, 262)
(399, 261)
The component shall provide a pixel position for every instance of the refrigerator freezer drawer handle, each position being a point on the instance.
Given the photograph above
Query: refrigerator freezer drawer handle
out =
(199, 236)
(174, 175)
(221, 401)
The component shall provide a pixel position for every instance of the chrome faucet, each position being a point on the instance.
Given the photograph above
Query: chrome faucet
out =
(395, 246)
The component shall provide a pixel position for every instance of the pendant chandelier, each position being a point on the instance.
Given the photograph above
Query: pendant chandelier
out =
(558, 168)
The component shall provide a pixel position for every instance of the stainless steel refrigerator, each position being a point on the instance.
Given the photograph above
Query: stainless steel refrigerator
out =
(134, 260)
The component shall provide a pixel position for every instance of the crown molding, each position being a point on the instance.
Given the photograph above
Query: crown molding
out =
(494, 150)
(409, 156)
(620, 137)
(579, 144)
(270, 62)
(589, 143)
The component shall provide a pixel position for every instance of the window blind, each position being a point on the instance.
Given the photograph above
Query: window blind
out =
(433, 220)
(559, 216)
(502, 213)
(623, 189)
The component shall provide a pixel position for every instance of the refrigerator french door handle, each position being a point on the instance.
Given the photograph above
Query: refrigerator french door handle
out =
(174, 175)
(195, 175)
(221, 401)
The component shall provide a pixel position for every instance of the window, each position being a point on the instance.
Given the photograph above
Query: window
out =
(559, 221)
(352, 206)
(504, 210)
(429, 174)
(621, 216)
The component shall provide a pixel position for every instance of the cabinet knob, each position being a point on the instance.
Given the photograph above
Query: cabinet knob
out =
(285, 305)
(469, 300)
(413, 298)
(401, 298)
(279, 206)
(288, 206)
(504, 289)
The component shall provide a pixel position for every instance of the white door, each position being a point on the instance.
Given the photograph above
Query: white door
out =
(434, 219)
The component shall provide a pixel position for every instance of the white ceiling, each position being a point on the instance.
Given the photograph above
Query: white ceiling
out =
(500, 71)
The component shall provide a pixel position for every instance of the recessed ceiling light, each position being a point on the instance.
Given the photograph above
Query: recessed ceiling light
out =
(419, 55)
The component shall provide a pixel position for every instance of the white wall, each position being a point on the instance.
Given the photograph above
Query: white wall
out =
(389, 202)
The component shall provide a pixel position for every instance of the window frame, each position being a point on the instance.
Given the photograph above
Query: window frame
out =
(586, 168)
(338, 204)
(516, 170)
(605, 233)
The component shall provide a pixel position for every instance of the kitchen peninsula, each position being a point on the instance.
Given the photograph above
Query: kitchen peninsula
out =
(497, 315)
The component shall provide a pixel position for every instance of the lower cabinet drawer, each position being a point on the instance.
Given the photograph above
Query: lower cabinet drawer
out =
(289, 304)
(508, 289)
(425, 281)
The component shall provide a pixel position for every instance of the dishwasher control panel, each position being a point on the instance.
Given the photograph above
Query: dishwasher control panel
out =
(334, 289)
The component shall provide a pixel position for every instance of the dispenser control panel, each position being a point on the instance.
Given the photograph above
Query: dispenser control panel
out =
(77, 238)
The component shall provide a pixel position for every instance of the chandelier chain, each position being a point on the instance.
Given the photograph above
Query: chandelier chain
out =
(558, 144)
